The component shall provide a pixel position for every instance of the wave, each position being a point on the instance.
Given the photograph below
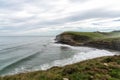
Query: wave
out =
(79, 48)
(77, 58)
(13, 48)
(83, 54)
(21, 60)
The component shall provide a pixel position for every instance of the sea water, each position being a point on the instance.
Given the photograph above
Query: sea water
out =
(23, 54)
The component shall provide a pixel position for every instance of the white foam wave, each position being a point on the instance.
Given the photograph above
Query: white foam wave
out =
(65, 45)
(78, 48)
(77, 58)
(84, 53)
(74, 59)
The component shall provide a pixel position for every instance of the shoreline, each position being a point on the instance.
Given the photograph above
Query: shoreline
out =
(106, 67)
(91, 39)
(77, 57)
(100, 65)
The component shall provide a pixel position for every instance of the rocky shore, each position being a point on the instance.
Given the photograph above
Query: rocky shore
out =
(109, 40)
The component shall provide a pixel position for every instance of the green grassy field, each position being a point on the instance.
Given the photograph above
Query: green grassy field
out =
(90, 35)
(95, 35)
(108, 40)
(104, 68)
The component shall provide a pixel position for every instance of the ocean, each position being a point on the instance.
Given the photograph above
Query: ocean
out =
(23, 54)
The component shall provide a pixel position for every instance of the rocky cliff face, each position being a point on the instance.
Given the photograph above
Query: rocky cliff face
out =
(83, 40)
(114, 44)
(65, 39)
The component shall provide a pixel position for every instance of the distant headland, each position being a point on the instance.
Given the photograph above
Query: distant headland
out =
(105, 40)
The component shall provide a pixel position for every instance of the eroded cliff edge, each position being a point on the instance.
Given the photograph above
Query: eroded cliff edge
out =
(108, 40)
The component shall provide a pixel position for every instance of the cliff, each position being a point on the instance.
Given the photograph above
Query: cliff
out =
(110, 40)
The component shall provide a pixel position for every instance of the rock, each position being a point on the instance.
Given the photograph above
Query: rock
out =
(65, 79)
(73, 39)
(65, 39)
(105, 64)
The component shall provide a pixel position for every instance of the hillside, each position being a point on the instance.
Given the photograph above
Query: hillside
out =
(110, 40)
(104, 68)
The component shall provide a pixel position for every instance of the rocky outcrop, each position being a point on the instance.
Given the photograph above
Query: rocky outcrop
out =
(84, 40)
(114, 44)
(66, 39)
(72, 39)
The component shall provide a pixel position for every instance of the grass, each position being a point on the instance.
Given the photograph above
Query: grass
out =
(95, 35)
(91, 35)
(108, 40)
(104, 68)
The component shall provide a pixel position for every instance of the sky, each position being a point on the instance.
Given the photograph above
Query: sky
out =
(51, 17)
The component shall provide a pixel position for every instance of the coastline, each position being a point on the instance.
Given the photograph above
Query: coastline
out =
(80, 54)
(90, 69)
(99, 40)
(102, 68)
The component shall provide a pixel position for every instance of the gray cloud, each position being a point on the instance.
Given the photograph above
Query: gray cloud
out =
(79, 1)
(117, 20)
(25, 15)
(97, 13)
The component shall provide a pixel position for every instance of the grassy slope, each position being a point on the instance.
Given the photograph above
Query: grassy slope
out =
(91, 35)
(109, 40)
(95, 35)
(105, 68)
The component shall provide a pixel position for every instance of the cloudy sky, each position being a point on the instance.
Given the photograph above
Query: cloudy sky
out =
(50, 17)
